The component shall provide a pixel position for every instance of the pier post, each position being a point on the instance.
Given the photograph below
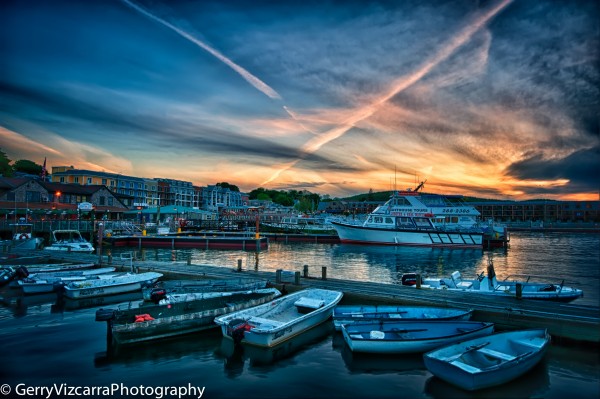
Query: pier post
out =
(305, 271)
(110, 259)
(143, 254)
(519, 288)
(324, 272)
(278, 276)
(239, 267)
(297, 278)
(189, 259)
(418, 283)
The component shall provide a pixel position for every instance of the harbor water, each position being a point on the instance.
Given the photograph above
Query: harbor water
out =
(47, 343)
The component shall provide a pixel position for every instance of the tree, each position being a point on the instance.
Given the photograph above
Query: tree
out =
(26, 166)
(6, 169)
(229, 186)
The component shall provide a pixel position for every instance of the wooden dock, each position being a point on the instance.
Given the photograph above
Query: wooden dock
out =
(567, 323)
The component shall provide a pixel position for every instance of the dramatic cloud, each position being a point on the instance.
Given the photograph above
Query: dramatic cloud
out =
(492, 98)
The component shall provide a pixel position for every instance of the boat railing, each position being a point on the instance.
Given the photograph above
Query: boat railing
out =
(527, 277)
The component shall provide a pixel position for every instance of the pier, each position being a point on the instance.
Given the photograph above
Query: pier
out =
(565, 322)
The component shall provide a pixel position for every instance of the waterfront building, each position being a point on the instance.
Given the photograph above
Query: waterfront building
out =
(215, 197)
(38, 198)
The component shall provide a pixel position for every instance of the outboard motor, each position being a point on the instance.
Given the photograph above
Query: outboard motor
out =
(236, 329)
(409, 279)
(157, 295)
(105, 314)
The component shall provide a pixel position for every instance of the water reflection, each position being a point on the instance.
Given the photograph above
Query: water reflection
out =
(535, 383)
(257, 357)
(364, 363)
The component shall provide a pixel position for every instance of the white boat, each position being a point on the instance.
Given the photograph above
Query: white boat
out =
(163, 288)
(23, 237)
(489, 361)
(303, 224)
(348, 314)
(58, 267)
(389, 337)
(178, 314)
(69, 241)
(39, 283)
(277, 321)
(513, 286)
(412, 218)
(109, 286)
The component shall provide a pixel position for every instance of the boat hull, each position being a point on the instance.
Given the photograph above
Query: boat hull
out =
(90, 289)
(349, 314)
(411, 337)
(427, 238)
(520, 351)
(185, 318)
(267, 331)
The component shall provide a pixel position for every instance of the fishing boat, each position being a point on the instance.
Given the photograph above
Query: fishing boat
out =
(279, 320)
(519, 286)
(349, 314)
(488, 361)
(109, 286)
(388, 337)
(412, 218)
(161, 289)
(69, 241)
(178, 314)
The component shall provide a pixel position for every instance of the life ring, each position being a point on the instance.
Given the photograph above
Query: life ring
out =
(23, 236)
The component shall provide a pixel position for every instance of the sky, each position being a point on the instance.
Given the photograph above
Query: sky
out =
(496, 99)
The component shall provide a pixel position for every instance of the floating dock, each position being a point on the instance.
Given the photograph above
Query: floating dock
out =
(181, 241)
(569, 323)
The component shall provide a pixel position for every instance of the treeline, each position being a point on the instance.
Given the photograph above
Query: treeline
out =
(304, 201)
(22, 165)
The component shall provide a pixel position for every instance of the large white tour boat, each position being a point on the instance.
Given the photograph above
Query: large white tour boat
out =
(412, 218)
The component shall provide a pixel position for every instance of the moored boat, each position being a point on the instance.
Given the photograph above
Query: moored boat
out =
(38, 283)
(514, 286)
(488, 361)
(163, 288)
(412, 218)
(279, 320)
(69, 241)
(117, 285)
(178, 314)
(389, 337)
(349, 314)
(23, 237)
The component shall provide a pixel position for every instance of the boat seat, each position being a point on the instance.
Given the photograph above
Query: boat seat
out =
(466, 367)
(496, 354)
(464, 284)
(535, 343)
(255, 320)
(309, 303)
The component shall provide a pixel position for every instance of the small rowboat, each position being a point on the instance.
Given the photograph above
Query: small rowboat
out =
(489, 361)
(411, 336)
(348, 314)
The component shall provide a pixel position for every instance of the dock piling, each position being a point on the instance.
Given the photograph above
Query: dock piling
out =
(297, 278)
(278, 276)
(418, 280)
(239, 265)
(305, 271)
(324, 272)
(519, 289)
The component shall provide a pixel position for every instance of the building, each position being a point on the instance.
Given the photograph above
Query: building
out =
(215, 197)
(35, 197)
(540, 210)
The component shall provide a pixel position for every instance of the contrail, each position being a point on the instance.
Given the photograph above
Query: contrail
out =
(253, 80)
(398, 86)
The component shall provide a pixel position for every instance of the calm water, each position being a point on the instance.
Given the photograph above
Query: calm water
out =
(43, 344)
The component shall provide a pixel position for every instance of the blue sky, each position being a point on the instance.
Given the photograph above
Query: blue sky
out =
(491, 98)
